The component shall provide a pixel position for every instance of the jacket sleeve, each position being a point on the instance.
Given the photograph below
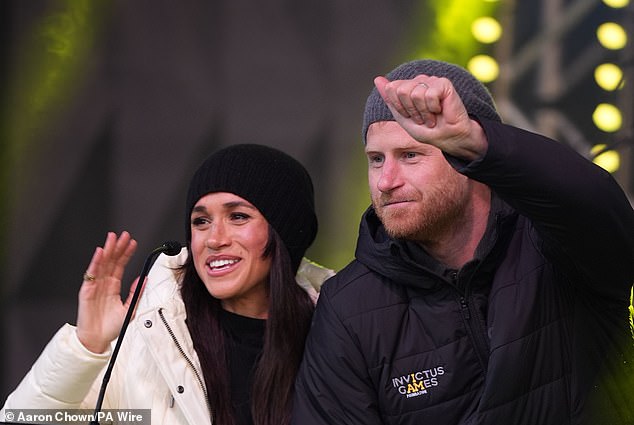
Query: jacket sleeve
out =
(63, 377)
(333, 386)
(580, 213)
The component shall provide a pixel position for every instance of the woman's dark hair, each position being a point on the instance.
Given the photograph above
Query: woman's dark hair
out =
(288, 322)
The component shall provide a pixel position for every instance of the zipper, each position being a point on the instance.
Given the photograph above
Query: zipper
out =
(189, 362)
(472, 324)
(474, 329)
(477, 332)
(465, 308)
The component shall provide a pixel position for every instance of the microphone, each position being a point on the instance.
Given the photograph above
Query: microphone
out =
(170, 248)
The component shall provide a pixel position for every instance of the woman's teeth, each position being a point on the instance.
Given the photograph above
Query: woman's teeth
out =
(221, 263)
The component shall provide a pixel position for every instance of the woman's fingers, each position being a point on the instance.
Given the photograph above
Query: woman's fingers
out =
(101, 310)
(111, 260)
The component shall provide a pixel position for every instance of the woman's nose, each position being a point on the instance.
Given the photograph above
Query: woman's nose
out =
(218, 236)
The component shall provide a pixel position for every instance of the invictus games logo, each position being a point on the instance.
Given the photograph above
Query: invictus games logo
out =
(418, 383)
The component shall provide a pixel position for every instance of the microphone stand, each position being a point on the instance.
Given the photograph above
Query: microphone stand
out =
(170, 248)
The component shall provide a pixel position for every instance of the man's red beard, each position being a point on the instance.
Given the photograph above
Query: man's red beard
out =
(425, 220)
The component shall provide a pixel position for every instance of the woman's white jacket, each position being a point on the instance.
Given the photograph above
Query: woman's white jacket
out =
(156, 369)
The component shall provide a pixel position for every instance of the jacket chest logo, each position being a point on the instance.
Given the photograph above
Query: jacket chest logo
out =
(418, 383)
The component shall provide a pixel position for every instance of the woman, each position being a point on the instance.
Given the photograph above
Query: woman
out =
(219, 331)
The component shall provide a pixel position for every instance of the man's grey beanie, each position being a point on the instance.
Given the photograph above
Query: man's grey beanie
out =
(474, 94)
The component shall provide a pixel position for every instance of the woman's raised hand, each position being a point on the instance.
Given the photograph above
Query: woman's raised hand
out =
(101, 310)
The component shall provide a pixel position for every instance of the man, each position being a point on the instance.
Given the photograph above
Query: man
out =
(492, 276)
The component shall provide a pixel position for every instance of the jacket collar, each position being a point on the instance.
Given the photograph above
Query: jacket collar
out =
(406, 262)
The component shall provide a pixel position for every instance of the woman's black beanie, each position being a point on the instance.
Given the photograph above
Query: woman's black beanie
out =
(273, 181)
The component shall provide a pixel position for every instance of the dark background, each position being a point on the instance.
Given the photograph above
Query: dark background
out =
(109, 106)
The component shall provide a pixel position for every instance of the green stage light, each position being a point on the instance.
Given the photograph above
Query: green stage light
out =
(444, 36)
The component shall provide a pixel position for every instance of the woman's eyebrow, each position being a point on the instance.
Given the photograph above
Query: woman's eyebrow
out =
(199, 209)
(234, 204)
(226, 205)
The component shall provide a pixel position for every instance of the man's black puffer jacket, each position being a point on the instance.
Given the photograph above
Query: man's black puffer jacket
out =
(534, 330)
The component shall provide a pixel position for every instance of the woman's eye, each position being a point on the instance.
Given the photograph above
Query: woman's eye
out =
(237, 216)
(199, 221)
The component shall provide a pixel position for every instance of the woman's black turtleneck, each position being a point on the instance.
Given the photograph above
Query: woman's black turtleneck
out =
(244, 342)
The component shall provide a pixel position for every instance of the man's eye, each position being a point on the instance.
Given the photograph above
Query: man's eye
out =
(375, 159)
(410, 155)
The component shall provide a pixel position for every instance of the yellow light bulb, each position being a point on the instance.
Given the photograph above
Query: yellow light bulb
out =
(609, 160)
(612, 36)
(486, 30)
(607, 117)
(617, 4)
(484, 68)
(608, 76)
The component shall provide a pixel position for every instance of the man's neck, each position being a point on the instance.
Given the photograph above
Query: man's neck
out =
(458, 244)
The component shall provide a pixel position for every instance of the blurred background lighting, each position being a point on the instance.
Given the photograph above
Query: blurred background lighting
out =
(484, 67)
(607, 117)
(486, 30)
(609, 160)
(608, 76)
(612, 36)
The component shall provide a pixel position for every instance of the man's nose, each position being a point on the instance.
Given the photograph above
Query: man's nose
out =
(390, 177)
